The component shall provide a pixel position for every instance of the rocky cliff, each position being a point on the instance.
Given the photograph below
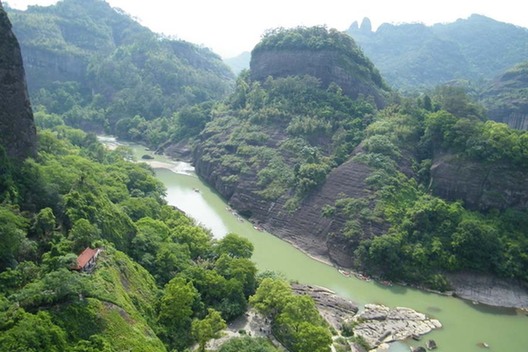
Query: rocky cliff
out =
(330, 56)
(17, 128)
(506, 98)
(305, 227)
(328, 66)
(481, 186)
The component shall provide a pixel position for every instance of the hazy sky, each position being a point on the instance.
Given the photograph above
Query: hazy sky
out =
(229, 27)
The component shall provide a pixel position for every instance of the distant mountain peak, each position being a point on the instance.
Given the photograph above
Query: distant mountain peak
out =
(366, 25)
(417, 56)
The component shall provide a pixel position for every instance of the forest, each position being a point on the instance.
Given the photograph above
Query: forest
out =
(158, 273)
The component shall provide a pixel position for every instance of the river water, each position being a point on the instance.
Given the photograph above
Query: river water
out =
(465, 325)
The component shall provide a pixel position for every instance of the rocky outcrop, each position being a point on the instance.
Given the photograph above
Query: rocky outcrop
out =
(489, 290)
(376, 324)
(480, 186)
(44, 66)
(379, 324)
(334, 309)
(17, 128)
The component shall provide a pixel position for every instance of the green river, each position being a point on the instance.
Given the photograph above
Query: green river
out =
(465, 325)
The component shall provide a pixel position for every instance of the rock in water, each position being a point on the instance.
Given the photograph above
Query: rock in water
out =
(378, 324)
(418, 349)
(431, 345)
(17, 128)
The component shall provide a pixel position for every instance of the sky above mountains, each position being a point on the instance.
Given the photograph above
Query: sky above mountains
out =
(229, 27)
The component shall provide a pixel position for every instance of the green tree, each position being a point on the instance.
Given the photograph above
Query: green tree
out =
(176, 311)
(45, 223)
(83, 233)
(208, 328)
(247, 344)
(241, 269)
(313, 338)
(13, 229)
(33, 333)
(300, 326)
(271, 297)
(234, 246)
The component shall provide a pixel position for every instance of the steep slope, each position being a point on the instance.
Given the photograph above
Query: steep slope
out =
(412, 56)
(18, 134)
(506, 98)
(480, 185)
(119, 309)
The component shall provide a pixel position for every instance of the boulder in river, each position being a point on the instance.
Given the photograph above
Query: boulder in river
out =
(431, 345)
(378, 324)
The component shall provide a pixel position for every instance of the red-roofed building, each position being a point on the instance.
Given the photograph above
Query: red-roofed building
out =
(86, 260)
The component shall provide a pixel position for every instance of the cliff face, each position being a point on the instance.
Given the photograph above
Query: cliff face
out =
(17, 128)
(306, 227)
(326, 65)
(480, 186)
(506, 97)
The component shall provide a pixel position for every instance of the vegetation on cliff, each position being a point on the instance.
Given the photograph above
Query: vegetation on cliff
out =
(285, 133)
(276, 146)
(427, 235)
(326, 54)
(320, 39)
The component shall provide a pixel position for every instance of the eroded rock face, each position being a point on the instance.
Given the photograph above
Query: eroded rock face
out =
(305, 227)
(17, 128)
(326, 65)
(489, 290)
(480, 186)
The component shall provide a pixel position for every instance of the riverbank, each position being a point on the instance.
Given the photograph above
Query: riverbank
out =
(473, 287)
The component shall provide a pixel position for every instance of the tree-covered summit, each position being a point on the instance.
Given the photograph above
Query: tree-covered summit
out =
(326, 54)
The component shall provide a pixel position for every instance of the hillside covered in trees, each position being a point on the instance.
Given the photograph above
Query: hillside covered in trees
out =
(505, 97)
(148, 278)
(100, 70)
(412, 192)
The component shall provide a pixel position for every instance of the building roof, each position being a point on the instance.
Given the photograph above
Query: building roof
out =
(85, 257)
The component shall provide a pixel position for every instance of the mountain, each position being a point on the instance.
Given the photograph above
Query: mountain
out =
(326, 55)
(416, 56)
(412, 191)
(99, 68)
(17, 128)
(239, 62)
(506, 97)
